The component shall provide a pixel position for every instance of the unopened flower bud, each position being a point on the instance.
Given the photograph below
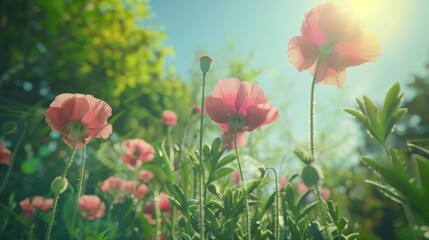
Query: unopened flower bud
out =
(57, 187)
(205, 62)
(311, 175)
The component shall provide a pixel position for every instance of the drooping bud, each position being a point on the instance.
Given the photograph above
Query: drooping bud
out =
(205, 62)
(57, 187)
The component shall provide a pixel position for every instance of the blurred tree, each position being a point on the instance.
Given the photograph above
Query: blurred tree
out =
(100, 47)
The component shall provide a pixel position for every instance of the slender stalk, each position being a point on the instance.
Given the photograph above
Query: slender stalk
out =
(201, 163)
(158, 216)
(277, 211)
(57, 195)
(322, 209)
(246, 203)
(79, 187)
(312, 107)
(171, 155)
(9, 170)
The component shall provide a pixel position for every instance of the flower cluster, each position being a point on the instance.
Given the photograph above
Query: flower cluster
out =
(35, 204)
(91, 207)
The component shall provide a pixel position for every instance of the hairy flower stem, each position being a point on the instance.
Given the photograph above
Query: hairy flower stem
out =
(312, 107)
(79, 188)
(201, 163)
(57, 195)
(277, 211)
(158, 216)
(246, 203)
(171, 156)
(9, 170)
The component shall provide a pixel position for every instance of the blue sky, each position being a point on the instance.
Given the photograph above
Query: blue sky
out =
(265, 27)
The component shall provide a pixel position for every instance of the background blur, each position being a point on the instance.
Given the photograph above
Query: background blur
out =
(141, 58)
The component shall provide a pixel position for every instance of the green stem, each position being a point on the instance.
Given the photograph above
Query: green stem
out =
(9, 170)
(246, 203)
(79, 187)
(158, 216)
(57, 195)
(171, 153)
(201, 163)
(277, 211)
(322, 209)
(411, 221)
(312, 107)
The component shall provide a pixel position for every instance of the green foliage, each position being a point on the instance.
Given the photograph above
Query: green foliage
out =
(380, 121)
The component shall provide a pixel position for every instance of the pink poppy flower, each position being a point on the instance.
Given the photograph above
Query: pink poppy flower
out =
(228, 140)
(337, 34)
(130, 186)
(239, 105)
(115, 184)
(91, 207)
(301, 187)
(169, 118)
(164, 204)
(325, 193)
(137, 151)
(140, 191)
(5, 154)
(145, 175)
(282, 182)
(79, 118)
(33, 204)
(236, 177)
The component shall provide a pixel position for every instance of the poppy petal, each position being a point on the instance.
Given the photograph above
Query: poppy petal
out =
(302, 53)
(218, 110)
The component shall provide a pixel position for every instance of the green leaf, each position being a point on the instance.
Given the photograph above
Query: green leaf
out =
(225, 160)
(219, 173)
(178, 194)
(423, 167)
(102, 235)
(314, 231)
(388, 192)
(393, 119)
(357, 115)
(391, 102)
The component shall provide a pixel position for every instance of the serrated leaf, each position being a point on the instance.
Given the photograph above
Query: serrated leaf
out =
(388, 192)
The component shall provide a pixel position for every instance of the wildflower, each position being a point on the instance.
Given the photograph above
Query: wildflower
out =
(80, 118)
(5, 154)
(115, 184)
(91, 207)
(145, 175)
(282, 182)
(33, 204)
(236, 177)
(137, 151)
(325, 193)
(228, 140)
(336, 36)
(169, 118)
(164, 204)
(140, 191)
(239, 105)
